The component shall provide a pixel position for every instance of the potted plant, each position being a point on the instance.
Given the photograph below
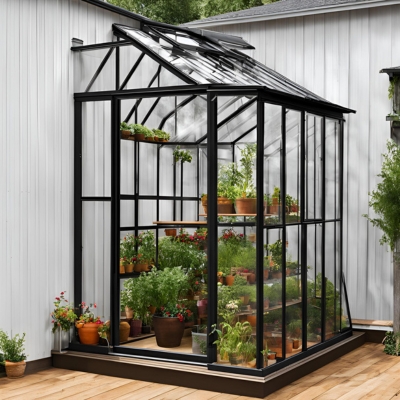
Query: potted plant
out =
(146, 251)
(274, 207)
(88, 325)
(161, 136)
(125, 130)
(294, 330)
(231, 340)
(246, 202)
(229, 177)
(199, 339)
(13, 354)
(182, 155)
(63, 317)
(141, 131)
(276, 257)
(203, 199)
(149, 135)
(127, 253)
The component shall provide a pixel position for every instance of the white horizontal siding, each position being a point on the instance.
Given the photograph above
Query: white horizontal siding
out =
(339, 56)
(36, 157)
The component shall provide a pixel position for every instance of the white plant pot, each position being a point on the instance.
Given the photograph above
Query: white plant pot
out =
(61, 340)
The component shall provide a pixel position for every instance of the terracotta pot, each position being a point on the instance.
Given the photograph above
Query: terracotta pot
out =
(121, 267)
(151, 309)
(251, 278)
(204, 204)
(245, 299)
(225, 206)
(129, 268)
(277, 275)
(229, 279)
(266, 274)
(132, 137)
(168, 331)
(123, 331)
(88, 333)
(15, 369)
(139, 136)
(271, 356)
(136, 327)
(252, 237)
(125, 134)
(287, 271)
(296, 343)
(140, 267)
(170, 232)
(252, 319)
(246, 206)
(149, 139)
(128, 312)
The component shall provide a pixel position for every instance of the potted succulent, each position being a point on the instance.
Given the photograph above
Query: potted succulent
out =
(13, 354)
(246, 202)
(63, 318)
(88, 325)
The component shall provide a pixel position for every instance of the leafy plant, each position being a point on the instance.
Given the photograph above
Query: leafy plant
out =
(276, 254)
(248, 157)
(161, 134)
(392, 85)
(172, 310)
(12, 348)
(127, 248)
(87, 316)
(141, 129)
(182, 155)
(124, 126)
(146, 246)
(392, 343)
(229, 178)
(63, 314)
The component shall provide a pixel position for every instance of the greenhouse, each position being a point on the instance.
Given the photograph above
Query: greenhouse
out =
(208, 203)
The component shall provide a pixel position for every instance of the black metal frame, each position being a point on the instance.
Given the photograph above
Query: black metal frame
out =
(261, 95)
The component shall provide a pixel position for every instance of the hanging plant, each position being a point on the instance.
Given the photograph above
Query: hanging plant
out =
(182, 155)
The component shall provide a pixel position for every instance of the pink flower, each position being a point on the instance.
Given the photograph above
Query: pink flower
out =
(95, 305)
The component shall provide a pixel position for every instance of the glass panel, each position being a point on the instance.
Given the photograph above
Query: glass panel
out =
(147, 212)
(96, 241)
(331, 169)
(314, 284)
(273, 297)
(127, 213)
(272, 162)
(313, 167)
(293, 165)
(236, 306)
(294, 312)
(96, 148)
(86, 66)
(127, 177)
(147, 168)
(332, 308)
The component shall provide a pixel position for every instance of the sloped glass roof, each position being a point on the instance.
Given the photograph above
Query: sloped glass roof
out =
(206, 61)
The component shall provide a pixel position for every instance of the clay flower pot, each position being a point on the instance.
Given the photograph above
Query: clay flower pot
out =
(169, 331)
(88, 333)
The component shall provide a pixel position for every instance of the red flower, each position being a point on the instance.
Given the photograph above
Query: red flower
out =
(57, 298)
(62, 293)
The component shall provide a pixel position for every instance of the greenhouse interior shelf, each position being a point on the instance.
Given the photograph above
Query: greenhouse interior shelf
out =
(208, 205)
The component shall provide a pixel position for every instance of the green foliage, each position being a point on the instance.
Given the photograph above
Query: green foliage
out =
(137, 128)
(385, 200)
(161, 134)
(124, 126)
(229, 178)
(182, 155)
(63, 314)
(248, 157)
(127, 247)
(172, 253)
(12, 348)
(275, 250)
(214, 7)
(146, 249)
(392, 343)
(245, 258)
(393, 82)
(173, 12)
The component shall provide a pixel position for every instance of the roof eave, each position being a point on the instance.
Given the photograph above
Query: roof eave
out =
(292, 14)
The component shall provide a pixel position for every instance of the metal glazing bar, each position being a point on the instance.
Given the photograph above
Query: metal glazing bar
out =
(244, 134)
(283, 211)
(181, 191)
(237, 112)
(136, 106)
(101, 66)
(151, 110)
(98, 46)
(260, 233)
(132, 71)
(303, 262)
(323, 238)
(341, 167)
(117, 65)
(158, 199)
(115, 219)
(178, 107)
(212, 157)
(77, 202)
(198, 179)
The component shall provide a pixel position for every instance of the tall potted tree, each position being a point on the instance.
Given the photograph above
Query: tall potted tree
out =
(385, 202)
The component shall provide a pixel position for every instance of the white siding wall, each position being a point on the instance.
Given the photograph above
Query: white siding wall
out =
(36, 157)
(339, 56)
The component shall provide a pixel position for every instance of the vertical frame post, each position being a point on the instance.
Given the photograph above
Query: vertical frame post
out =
(260, 233)
(78, 202)
(323, 211)
(212, 215)
(115, 217)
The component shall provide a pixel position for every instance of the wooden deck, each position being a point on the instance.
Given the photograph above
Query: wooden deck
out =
(365, 373)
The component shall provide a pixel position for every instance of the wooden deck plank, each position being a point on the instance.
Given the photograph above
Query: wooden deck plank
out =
(366, 373)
